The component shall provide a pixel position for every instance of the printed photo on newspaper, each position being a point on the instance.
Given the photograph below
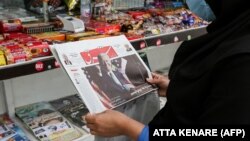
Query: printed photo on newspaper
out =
(106, 72)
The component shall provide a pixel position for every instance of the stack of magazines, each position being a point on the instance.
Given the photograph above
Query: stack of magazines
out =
(9, 131)
(72, 108)
(46, 123)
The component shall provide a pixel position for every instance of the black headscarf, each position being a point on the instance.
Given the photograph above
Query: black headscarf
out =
(232, 22)
(226, 11)
(197, 62)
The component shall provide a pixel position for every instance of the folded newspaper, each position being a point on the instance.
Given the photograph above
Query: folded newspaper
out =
(106, 72)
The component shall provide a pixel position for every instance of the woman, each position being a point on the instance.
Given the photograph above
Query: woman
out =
(209, 79)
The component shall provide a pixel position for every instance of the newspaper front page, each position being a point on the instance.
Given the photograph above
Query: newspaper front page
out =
(107, 72)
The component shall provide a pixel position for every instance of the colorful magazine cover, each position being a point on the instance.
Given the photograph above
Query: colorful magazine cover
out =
(73, 108)
(9, 131)
(107, 72)
(46, 123)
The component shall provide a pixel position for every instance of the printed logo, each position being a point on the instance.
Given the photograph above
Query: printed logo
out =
(39, 66)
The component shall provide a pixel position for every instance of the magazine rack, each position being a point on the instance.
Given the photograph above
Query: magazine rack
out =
(35, 88)
(24, 83)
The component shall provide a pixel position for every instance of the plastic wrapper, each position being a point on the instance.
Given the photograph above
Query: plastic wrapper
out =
(2, 59)
(26, 40)
(93, 37)
(102, 27)
(10, 26)
(38, 49)
(16, 54)
(77, 36)
(138, 15)
(71, 4)
(1, 37)
(131, 36)
(16, 36)
(5, 43)
(50, 36)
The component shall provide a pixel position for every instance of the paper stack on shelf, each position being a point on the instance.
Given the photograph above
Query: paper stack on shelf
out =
(46, 123)
(72, 108)
(9, 131)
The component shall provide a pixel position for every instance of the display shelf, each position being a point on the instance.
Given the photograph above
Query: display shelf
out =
(168, 38)
(36, 88)
(48, 63)
(2, 99)
(87, 137)
(160, 57)
(29, 67)
(54, 84)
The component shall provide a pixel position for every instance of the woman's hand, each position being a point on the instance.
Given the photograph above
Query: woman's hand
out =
(113, 123)
(161, 82)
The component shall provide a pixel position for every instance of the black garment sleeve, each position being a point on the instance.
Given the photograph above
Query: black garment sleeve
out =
(229, 99)
(27, 4)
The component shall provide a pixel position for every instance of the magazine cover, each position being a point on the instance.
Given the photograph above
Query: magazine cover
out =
(46, 123)
(107, 72)
(9, 131)
(73, 108)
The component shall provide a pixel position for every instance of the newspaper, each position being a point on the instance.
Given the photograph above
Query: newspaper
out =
(107, 72)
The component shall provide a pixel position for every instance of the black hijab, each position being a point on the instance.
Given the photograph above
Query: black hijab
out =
(226, 11)
(197, 60)
(232, 22)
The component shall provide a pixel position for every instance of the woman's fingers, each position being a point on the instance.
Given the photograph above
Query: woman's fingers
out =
(91, 126)
(153, 81)
(156, 79)
(90, 118)
(93, 132)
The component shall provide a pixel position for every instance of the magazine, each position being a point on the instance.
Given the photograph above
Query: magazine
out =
(9, 131)
(46, 123)
(107, 72)
(73, 108)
